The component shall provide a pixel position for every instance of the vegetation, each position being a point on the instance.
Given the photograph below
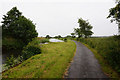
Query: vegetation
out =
(9, 43)
(115, 14)
(84, 30)
(10, 62)
(73, 35)
(51, 60)
(40, 40)
(28, 51)
(105, 67)
(59, 36)
(51, 63)
(108, 48)
(12, 46)
(47, 36)
(17, 26)
(17, 32)
(65, 39)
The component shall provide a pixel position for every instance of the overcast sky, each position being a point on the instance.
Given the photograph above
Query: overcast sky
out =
(59, 17)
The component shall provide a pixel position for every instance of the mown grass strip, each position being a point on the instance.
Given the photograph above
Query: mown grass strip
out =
(51, 63)
(105, 67)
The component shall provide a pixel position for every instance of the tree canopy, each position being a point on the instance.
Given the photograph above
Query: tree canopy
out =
(73, 35)
(47, 36)
(114, 13)
(84, 30)
(15, 25)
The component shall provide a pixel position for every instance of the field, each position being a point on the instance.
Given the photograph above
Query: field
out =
(51, 63)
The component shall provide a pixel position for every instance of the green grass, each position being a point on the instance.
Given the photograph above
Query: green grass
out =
(104, 65)
(51, 63)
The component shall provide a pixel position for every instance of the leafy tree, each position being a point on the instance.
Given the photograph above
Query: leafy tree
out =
(78, 32)
(59, 36)
(17, 26)
(84, 30)
(9, 19)
(56, 37)
(115, 14)
(47, 36)
(68, 36)
(73, 35)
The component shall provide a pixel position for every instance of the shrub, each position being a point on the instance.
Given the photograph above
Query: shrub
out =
(65, 40)
(44, 40)
(10, 62)
(30, 50)
(37, 41)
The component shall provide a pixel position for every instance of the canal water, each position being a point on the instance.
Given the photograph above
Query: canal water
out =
(55, 40)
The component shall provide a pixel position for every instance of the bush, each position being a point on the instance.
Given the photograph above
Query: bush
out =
(65, 40)
(38, 40)
(30, 50)
(44, 41)
(10, 62)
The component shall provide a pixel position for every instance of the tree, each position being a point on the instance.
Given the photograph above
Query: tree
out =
(73, 35)
(47, 36)
(78, 32)
(9, 19)
(84, 30)
(68, 36)
(17, 26)
(59, 36)
(115, 15)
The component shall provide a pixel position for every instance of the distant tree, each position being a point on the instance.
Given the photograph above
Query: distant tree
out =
(78, 32)
(17, 26)
(68, 36)
(59, 36)
(115, 14)
(47, 36)
(73, 35)
(56, 37)
(85, 28)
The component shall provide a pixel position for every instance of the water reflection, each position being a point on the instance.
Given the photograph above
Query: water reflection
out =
(55, 40)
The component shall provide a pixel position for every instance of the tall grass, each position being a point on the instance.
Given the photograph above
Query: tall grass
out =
(108, 47)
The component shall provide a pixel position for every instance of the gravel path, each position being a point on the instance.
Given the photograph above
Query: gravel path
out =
(84, 64)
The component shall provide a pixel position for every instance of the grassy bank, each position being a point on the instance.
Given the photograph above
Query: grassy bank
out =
(51, 63)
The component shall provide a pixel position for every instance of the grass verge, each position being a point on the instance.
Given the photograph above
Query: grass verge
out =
(105, 67)
(51, 63)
